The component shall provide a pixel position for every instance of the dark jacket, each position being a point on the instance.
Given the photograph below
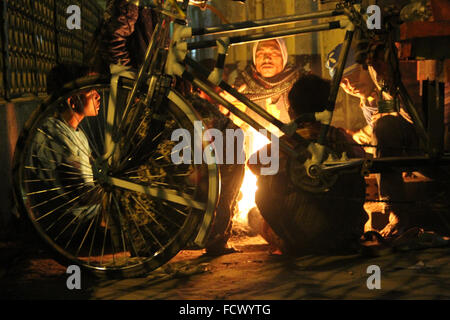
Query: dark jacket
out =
(122, 36)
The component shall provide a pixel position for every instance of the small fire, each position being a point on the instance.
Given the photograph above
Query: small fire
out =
(248, 190)
(254, 142)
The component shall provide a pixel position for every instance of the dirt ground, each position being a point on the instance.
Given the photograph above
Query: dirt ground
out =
(28, 272)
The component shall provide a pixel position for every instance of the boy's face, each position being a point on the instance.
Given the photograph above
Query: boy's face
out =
(358, 83)
(92, 105)
(269, 59)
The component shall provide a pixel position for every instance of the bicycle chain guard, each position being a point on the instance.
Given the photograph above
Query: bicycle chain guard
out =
(316, 181)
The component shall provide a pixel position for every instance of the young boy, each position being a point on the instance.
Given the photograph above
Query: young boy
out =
(61, 153)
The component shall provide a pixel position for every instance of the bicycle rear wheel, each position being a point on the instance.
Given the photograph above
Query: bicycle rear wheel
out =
(123, 214)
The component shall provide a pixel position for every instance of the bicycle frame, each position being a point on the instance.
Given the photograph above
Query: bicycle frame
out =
(177, 60)
(179, 49)
(317, 163)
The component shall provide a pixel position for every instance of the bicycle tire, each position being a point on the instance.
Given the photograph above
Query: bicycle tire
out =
(164, 227)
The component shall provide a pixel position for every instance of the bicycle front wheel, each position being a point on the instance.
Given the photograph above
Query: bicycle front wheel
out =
(122, 213)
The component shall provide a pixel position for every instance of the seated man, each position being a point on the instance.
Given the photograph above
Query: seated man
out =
(306, 222)
(61, 150)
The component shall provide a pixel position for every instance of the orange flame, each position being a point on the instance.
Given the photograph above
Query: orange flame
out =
(254, 142)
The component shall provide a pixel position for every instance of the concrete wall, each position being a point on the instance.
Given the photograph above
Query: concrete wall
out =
(13, 115)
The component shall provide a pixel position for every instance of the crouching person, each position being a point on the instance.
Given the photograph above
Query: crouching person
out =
(298, 222)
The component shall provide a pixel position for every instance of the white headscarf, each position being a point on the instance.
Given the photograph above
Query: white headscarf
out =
(282, 46)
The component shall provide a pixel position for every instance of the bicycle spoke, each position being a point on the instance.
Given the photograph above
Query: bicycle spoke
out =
(151, 233)
(138, 110)
(64, 214)
(91, 138)
(177, 210)
(64, 204)
(149, 214)
(48, 180)
(159, 183)
(142, 175)
(39, 180)
(124, 246)
(84, 238)
(56, 197)
(138, 145)
(130, 237)
(36, 168)
(104, 238)
(182, 174)
(56, 189)
(140, 232)
(112, 228)
(66, 227)
(132, 171)
(97, 224)
(86, 152)
(75, 231)
(156, 211)
(70, 223)
(62, 164)
(63, 156)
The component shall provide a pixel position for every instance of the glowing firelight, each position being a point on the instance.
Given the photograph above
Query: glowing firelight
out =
(254, 142)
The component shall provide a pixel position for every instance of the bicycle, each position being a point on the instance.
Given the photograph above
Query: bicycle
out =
(147, 208)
